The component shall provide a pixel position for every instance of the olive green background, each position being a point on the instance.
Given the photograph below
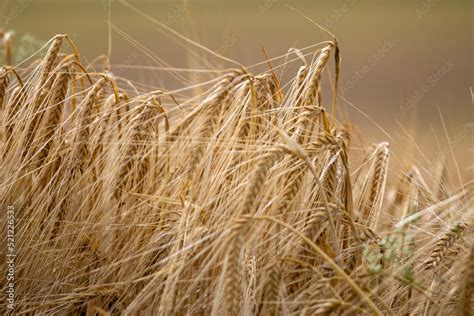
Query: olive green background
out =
(402, 60)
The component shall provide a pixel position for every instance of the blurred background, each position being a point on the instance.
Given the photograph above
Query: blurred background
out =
(405, 64)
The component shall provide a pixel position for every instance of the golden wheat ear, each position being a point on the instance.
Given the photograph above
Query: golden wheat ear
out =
(53, 116)
(443, 245)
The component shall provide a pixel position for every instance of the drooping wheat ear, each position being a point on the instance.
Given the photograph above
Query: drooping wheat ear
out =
(303, 124)
(466, 286)
(297, 94)
(48, 74)
(331, 144)
(53, 117)
(217, 103)
(312, 86)
(266, 91)
(209, 104)
(4, 80)
(259, 101)
(103, 123)
(377, 185)
(300, 79)
(136, 143)
(324, 142)
(14, 106)
(268, 98)
(50, 58)
(82, 136)
(258, 179)
(443, 245)
(100, 100)
(124, 97)
(292, 185)
(311, 95)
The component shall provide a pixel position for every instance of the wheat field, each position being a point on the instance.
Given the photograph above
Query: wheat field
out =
(247, 197)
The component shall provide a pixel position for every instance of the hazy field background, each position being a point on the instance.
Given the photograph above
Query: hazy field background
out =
(402, 60)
